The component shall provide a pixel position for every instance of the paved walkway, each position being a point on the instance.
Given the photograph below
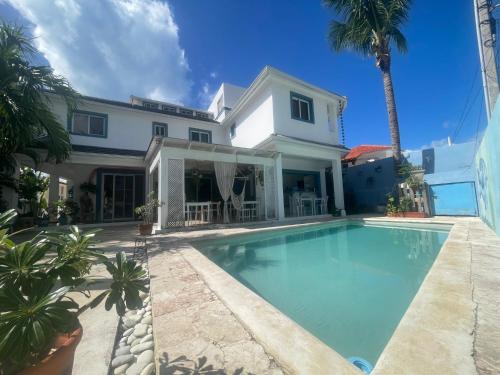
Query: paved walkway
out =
(93, 354)
(485, 278)
(193, 329)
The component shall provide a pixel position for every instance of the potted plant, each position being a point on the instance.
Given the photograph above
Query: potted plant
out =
(147, 213)
(66, 211)
(39, 326)
(71, 208)
(31, 188)
(392, 208)
(58, 209)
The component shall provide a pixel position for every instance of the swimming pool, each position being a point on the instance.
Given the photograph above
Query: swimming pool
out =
(348, 284)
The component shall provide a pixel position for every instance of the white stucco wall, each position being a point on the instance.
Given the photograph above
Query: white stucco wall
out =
(230, 94)
(320, 130)
(131, 129)
(254, 122)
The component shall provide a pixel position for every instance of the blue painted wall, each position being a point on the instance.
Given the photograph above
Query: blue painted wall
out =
(446, 164)
(366, 186)
(487, 163)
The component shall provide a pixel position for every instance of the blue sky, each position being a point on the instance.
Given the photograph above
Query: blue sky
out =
(182, 50)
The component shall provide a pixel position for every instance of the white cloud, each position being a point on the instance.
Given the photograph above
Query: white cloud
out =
(435, 143)
(111, 48)
(206, 95)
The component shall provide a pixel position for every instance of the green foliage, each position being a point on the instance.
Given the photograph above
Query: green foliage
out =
(395, 205)
(147, 211)
(406, 204)
(128, 280)
(392, 205)
(31, 187)
(67, 207)
(369, 27)
(28, 124)
(35, 277)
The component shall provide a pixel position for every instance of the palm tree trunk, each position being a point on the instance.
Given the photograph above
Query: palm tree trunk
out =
(393, 115)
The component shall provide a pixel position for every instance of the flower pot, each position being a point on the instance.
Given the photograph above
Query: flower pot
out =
(145, 229)
(60, 361)
(43, 222)
(62, 220)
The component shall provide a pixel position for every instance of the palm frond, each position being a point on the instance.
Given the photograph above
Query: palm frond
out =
(27, 121)
(368, 26)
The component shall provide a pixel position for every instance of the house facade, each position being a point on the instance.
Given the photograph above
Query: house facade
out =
(275, 144)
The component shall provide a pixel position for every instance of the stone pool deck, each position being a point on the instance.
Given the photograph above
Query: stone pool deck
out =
(203, 317)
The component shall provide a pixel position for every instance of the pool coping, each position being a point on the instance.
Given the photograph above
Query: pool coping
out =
(439, 320)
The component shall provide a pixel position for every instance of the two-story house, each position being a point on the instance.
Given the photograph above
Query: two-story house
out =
(269, 151)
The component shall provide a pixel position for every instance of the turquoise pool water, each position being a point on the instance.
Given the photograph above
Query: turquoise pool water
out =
(349, 285)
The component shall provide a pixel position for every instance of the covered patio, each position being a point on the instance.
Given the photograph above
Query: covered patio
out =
(200, 183)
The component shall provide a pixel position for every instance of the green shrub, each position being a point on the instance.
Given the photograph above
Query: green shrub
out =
(35, 277)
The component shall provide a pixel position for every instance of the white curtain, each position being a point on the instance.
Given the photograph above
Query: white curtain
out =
(238, 199)
(225, 172)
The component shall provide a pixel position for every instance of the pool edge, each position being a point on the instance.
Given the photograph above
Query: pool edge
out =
(435, 334)
(293, 347)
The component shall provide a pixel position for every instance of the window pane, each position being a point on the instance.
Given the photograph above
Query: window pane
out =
(195, 136)
(304, 110)
(96, 125)
(204, 137)
(295, 108)
(80, 123)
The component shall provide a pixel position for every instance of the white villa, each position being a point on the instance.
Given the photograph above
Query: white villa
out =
(270, 151)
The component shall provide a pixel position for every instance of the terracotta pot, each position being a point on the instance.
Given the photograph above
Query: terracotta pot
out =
(60, 361)
(145, 229)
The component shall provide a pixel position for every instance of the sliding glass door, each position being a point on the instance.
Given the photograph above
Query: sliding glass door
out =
(121, 194)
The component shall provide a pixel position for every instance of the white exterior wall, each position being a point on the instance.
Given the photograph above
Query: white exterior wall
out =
(254, 122)
(230, 95)
(305, 164)
(324, 128)
(131, 129)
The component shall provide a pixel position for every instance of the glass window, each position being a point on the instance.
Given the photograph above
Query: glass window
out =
(92, 124)
(301, 107)
(199, 135)
(195, 136)
(159, 129)
(80, 123)
(304, 110)
(232, 131)
(96, 126)
(150, 105)
(295, 108)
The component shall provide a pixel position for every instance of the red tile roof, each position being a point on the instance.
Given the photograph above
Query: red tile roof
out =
(357, 151)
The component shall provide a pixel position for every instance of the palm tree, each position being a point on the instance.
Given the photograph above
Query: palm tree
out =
(371, 27)
(27, 125)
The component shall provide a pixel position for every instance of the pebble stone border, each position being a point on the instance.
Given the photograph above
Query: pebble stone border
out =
(134, 348)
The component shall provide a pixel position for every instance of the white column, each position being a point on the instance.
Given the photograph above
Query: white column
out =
(338, 186)
(279, 187)
(322, 180)
(53, 191)
(163, 188)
